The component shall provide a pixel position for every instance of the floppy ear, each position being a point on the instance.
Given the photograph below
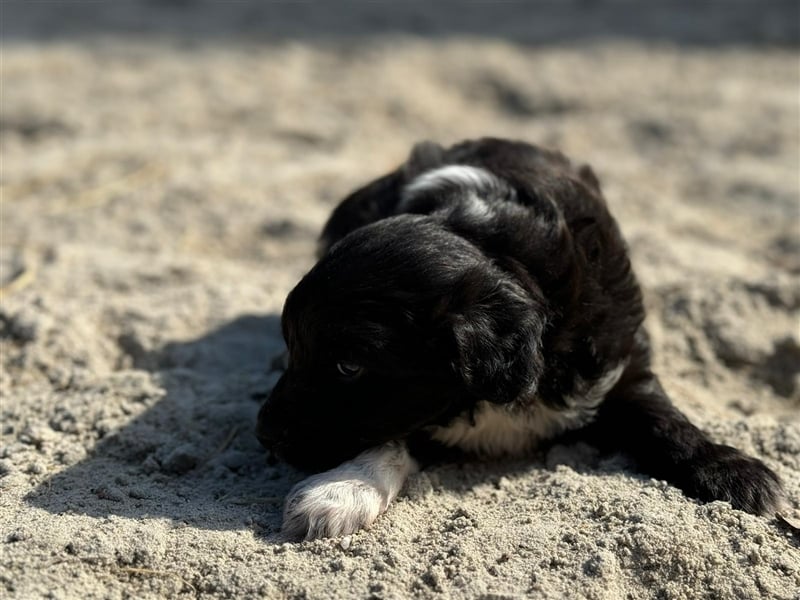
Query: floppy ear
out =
(424, 156)
(587, 176)
(497, 328)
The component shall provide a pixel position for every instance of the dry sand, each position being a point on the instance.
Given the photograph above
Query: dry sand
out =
(161, 194)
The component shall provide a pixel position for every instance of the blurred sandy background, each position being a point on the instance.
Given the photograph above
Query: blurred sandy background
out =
(166, 167)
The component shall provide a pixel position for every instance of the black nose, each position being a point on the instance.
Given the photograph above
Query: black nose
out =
(269, 428)
(272, 419)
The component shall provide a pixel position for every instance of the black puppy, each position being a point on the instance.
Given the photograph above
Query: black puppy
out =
(479, 298)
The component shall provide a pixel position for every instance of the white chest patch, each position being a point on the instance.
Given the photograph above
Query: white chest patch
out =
(501, 430)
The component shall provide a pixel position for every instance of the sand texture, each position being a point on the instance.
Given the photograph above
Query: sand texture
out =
(162, 192)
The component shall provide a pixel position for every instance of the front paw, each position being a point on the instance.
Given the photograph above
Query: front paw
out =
(326, 506)
(723, 473)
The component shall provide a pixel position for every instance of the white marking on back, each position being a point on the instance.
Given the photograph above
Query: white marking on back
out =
(349, 497)
(463, 175)
(472, 179)
(475, 207)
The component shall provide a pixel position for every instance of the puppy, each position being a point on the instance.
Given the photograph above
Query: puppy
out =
(480, 299)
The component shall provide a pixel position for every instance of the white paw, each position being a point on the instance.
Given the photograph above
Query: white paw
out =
(351, 496)
(325, 506)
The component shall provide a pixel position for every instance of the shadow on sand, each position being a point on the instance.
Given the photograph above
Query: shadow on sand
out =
(192, 455)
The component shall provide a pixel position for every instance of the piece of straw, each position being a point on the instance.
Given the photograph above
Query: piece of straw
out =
(24, 277)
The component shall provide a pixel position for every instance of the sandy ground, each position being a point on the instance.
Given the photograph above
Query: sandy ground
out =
(161, 194)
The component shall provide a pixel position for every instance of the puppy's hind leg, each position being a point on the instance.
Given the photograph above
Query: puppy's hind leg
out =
(349, 497)
(638, 418)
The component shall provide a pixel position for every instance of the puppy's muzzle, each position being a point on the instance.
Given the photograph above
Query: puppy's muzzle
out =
(298, 433)
(286, 430)
(271, 428)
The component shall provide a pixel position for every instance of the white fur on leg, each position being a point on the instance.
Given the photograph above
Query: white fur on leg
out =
(349, 497)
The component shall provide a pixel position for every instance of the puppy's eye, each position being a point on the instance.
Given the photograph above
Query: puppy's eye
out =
(349, 370)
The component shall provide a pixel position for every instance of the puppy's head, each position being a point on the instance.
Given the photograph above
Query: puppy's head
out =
(403, 324)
